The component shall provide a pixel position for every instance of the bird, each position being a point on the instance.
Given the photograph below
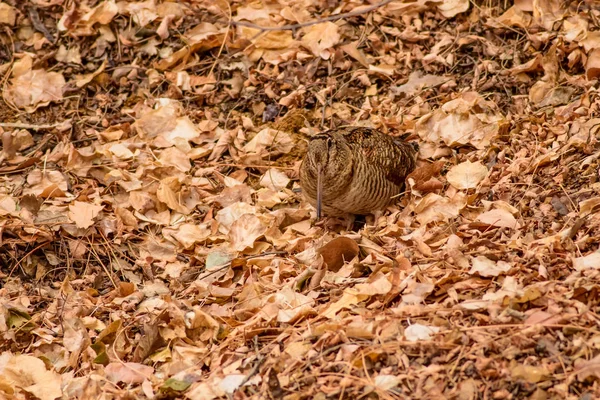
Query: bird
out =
(355, 170)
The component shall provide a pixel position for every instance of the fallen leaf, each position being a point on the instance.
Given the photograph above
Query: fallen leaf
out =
(83, 214)
(33, 88)
(467, 175)
(127, 372)
(8, 14)
(451, 8)
(529, 373)
(499, 217)
(30, 374)
(487, 268)
(319, 38)
(416, 332)
(417, 82)
(338, 251)
(274, 179)
(244, 231)
(386, 382)
(591, 261)
(457, 122)
(434, 207)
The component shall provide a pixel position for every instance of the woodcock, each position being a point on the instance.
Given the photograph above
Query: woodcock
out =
(355, 170)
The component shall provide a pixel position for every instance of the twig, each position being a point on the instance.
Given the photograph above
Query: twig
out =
(228, 264)
(34, 17)
(23, 125)
(260, 359)
(315, 22)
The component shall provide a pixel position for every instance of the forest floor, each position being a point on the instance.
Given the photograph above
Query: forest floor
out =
(154, 242)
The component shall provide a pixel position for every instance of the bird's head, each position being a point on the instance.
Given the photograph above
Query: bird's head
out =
(329, 154)
(329, 158)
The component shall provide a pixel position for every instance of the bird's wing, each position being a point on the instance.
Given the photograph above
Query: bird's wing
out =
(394, 157)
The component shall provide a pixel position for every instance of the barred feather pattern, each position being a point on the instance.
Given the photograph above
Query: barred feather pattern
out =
(362, 170)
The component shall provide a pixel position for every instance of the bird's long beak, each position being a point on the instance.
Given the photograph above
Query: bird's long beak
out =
(319, 189)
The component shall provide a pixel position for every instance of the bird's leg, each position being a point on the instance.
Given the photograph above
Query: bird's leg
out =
(376, 215)
(319, 190)
(359, 222)
(349, 219)
(330, 223)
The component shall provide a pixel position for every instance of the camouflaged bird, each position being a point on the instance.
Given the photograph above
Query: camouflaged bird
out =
(355, 170)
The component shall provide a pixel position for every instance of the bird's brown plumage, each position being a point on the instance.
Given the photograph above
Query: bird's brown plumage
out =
(362, 170)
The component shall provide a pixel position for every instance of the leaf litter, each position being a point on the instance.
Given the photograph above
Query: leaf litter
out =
(155, 242)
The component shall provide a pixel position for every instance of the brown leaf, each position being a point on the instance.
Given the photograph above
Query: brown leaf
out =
(338, 251)
(592, 65)
(83, 214)
(422, 175)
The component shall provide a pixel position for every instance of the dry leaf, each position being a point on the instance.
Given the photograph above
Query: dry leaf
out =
(500, 218)
(338, 251)
(416, 332)
(129, 373)
(319, 38)
(83, 214)
(451, 8)
(487, 268)
(30, 374)
(591, 261)
(245, 231)
(466, 175)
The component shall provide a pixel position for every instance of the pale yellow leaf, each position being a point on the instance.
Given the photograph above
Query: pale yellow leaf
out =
(467, 175)
(499, 217)
(83, 214)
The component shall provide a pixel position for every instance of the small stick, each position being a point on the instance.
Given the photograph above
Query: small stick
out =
(23, 125)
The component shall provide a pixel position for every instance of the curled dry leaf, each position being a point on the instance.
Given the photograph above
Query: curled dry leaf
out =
(468, 119)
(168, 192)
(434, 207)
(591, 261)
(349, 298)
(423, 178)
(292, 305)
(417, 82)
(592, 65)
(274, 179)
(451, 8)
(587, 369)
(79, 23)
(338, 251)
(33, 88)
(588, 206)
(529, 373)
(188, 234)
(30, 374)
(319, 38)
(46, 184)
(245, 230)
(499, 217)
(269, 142)
(387, 382)
(378, 284)
(487, 268)
(514, 16)
(129, 373)
(8, 14)
(228, 215)
(416, 332)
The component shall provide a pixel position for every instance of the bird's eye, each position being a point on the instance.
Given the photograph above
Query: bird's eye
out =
(329, 143)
